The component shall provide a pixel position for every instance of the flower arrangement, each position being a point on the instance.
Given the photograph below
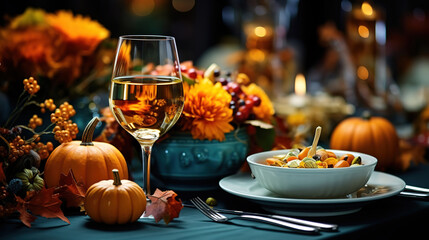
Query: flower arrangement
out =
(215, 104)
(22, 154)
(60, 46)
(67, 54)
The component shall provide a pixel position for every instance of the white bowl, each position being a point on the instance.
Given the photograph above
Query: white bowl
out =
(311, 182)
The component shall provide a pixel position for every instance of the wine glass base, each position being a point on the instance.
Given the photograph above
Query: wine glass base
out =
(146, 137)
(146, 217)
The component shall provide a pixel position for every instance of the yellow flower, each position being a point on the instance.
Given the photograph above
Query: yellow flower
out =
(264, 111)
(207, 107)
(81, 32)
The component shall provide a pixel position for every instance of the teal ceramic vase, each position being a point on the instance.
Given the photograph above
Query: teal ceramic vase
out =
(182, 163)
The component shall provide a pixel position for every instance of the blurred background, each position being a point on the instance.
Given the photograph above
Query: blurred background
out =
(372, 54)
(319, 62)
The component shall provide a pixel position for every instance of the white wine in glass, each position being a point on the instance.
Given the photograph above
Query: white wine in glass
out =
(146, 92)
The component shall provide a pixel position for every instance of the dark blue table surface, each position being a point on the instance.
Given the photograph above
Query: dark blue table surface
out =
(391, 217)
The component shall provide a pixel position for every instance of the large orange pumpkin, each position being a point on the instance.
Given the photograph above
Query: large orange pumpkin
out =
(372, 135)
(90, 161)
(115, 201)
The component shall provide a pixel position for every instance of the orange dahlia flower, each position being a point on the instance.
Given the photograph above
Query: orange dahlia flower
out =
(59, 46)
(79, 31)
(264, 111)
(26, 48)
(207, 110)
(78, 37)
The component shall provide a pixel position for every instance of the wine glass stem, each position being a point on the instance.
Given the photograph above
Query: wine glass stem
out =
(146, 152)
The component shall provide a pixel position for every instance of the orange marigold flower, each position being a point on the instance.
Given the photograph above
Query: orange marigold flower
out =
(207, 106)
(264, 111)
(81, 32)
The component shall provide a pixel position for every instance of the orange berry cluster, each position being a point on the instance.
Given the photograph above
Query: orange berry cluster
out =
(49, 104)
(43, 149)
(31, 86)
(35, 121)
(6, 208)
(18, 147)
(65, 130)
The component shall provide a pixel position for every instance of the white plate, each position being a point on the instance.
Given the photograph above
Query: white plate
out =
(380, 185)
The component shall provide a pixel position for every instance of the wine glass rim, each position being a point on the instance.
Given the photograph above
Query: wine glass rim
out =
(146, 37)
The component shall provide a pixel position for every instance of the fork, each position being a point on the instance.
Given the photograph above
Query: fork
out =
(415, 192)
(217, 217)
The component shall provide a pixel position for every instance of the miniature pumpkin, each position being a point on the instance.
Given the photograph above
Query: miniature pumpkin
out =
(372, 135)
(115, 201)
(90, 161)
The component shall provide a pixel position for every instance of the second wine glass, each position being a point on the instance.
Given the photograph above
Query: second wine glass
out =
(146, 92)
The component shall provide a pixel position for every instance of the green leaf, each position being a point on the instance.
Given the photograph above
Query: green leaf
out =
(189, 81)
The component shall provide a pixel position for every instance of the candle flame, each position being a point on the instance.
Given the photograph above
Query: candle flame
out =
(363, 31)
(300, 86)
(260, 31)
(367, 9)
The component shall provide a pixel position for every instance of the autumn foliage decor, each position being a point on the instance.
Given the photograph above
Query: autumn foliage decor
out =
(22, 156)
(115, 201)
(83, 157)
(59, 47)
(217, 103)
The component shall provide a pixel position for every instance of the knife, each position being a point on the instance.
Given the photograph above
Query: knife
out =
(318, 225)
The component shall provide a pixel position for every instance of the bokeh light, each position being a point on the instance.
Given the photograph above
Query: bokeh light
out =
(363, 31)
(260, 31)
(142, 7)
(183, 5)
(362, 73)
(367, 9)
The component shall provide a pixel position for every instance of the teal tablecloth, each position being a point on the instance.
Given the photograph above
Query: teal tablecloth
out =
(392, 217)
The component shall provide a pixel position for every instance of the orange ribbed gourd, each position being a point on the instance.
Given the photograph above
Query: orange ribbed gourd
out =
(115, 201)
(90, 161)
(372, 135)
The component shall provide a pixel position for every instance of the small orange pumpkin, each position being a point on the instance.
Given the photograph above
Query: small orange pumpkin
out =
(90, 161)
(372, 135)
(115, 201)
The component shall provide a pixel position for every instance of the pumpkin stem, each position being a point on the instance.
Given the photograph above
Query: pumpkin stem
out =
(366, 115)
(116, 178)
(88, 133)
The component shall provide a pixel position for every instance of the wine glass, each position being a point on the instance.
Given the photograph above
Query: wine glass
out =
(146, 91)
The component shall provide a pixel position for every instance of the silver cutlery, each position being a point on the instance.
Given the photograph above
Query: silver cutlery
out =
(217, 217)
(320, 226)
(415, 192)
(417, 189)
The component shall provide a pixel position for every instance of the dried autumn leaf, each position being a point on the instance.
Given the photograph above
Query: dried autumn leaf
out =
(174, 208)
(25, 217)
(47, 204)
(71, 192)
(44, 203)
(164, 205)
